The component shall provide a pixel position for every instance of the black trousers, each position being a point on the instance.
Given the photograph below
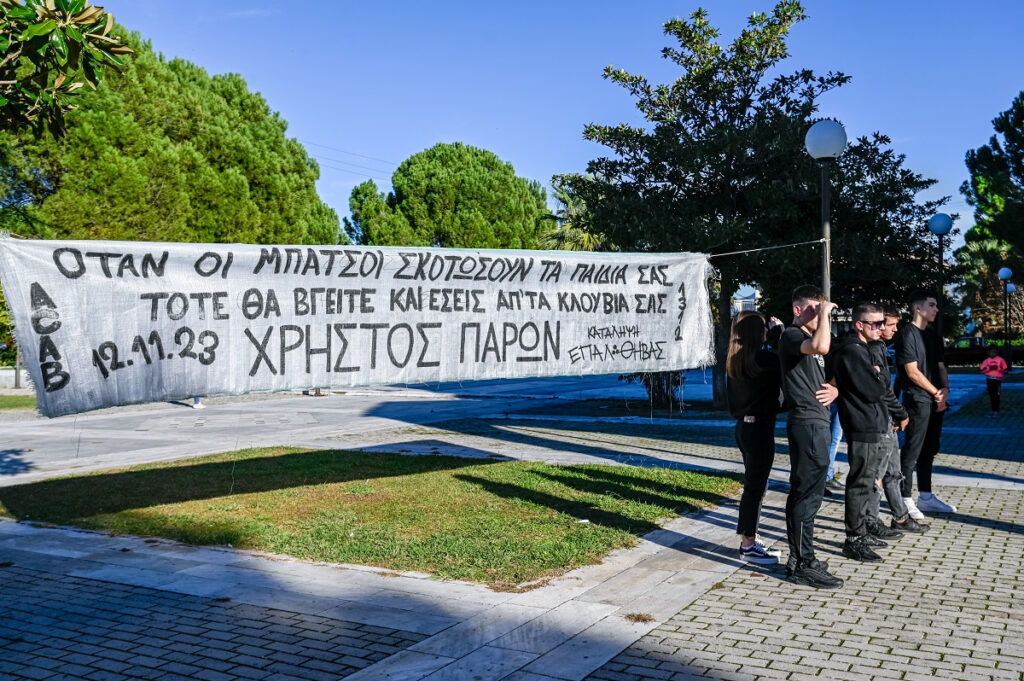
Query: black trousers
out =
(861, 490)
(993, 392)
(921, 443)
(757, 444)
(808, 462)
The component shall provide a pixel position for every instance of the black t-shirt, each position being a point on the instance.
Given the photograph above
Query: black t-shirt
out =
(802, 376)
(757, 396)
(923, 347)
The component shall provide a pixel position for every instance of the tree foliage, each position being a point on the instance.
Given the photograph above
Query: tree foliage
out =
(451, 195)
(996, 187)
(48, 50)
(574, 224)
(722, 168)
(979, 260)
(161, 151)
(881, 247)
(164, 152)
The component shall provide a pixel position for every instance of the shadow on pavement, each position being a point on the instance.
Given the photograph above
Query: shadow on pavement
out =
(12, 462)
(594, 437)
(979, 521)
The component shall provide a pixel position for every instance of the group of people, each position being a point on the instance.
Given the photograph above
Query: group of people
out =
(804, 374)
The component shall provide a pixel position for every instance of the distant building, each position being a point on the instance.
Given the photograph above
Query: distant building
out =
(747, 298)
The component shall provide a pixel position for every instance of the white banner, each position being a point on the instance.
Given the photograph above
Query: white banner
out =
(103, 323)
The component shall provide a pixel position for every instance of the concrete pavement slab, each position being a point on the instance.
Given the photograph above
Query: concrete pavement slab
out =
(483, 663)
(476, 631)
(405, 666)
(392, 618)
(589, 649)
(554, 627)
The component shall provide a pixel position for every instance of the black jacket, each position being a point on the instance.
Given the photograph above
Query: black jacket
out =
(876, 349)
(862, 412)
(758, 396)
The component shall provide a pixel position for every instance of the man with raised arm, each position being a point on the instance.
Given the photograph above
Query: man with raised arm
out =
(925, 386)
(802, 350)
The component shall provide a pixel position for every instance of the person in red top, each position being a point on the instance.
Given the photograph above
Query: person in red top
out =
(994, 368)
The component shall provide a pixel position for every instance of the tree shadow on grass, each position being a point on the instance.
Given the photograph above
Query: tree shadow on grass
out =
(66, 500)
(581, 510)
(623, 487)
(676, 499)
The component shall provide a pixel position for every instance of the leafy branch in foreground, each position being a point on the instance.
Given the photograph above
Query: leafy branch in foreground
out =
(48, 50)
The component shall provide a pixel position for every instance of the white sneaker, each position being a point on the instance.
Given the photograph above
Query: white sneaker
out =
(915, 513)
(933, 504)
(199, 405)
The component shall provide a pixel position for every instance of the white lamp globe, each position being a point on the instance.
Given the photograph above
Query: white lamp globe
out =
(825, 139)
(940, 224)
(1005, 273)
(1011, 288)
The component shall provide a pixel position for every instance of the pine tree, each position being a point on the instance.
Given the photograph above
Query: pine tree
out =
(454, 196)
(164, 152)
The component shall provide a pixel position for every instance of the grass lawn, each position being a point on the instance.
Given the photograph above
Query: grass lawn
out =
(502, 523)
(17, 401)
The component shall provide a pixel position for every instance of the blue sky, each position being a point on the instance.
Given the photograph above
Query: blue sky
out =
(365, 85)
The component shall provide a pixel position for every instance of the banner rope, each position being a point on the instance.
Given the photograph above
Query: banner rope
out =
(766, 248)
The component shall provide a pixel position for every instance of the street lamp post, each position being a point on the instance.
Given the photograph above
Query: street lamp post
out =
(1010, 289)
(825, 141)
(939, 225)
(1004, 275)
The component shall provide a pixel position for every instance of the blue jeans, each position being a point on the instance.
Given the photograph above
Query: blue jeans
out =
(837, 435)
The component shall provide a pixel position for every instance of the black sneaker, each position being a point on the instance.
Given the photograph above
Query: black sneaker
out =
(815, 573)
(834, 485)
(873, 541)
(759, 554)
(878, 530)
(857, 549)
(910, 525)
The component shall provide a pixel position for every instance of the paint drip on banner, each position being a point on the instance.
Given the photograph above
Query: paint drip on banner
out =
(104, 323)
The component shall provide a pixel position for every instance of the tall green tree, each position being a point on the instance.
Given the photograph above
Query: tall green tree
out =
(711, 172)
(162, 151)
(979, 260)
(722, 168)
(996, 186)
(881, 247)
(451, 195)
(48, 50)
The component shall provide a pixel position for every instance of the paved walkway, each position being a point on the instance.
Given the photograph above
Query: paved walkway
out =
(85, 605)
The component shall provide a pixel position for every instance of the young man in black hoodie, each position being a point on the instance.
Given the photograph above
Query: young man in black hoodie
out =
(865, 420)
(802, 348)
